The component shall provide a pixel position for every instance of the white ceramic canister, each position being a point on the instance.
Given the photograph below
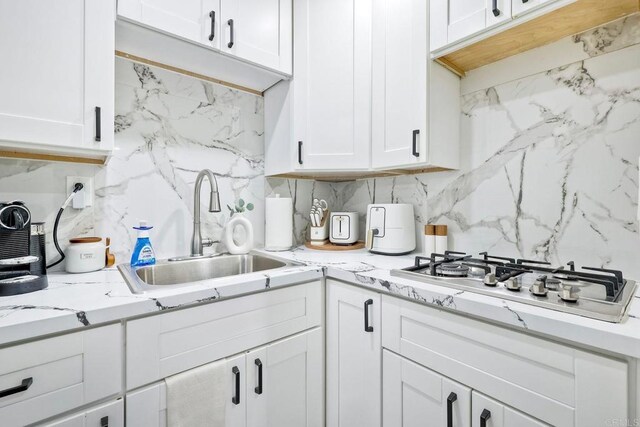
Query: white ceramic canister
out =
(85, 254)
(429, 239)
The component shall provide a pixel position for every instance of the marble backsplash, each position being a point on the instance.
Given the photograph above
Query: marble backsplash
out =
(549, 163)
(168, 128)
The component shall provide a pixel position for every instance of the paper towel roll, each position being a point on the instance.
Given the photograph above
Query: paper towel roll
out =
(278, 223)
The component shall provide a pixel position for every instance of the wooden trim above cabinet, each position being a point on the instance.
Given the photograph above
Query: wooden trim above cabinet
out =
(565, 21)
(11, 154)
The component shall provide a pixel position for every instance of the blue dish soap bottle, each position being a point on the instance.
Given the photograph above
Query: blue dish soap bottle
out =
(143, 252)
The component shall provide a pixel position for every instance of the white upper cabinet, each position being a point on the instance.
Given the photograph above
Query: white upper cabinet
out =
(519, 7)
(244, 42)
(258, 31)
(331, 86)
(195, 20)
(453, 20)
(415, 102)
(57, 83)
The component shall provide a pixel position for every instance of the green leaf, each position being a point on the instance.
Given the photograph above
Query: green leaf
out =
(250, 206)
(240, 202)
(230, 208)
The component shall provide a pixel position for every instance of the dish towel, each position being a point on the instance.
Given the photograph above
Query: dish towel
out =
(197, 397)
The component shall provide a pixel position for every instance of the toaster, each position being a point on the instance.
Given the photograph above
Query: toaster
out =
(391, 229)
(344, 228)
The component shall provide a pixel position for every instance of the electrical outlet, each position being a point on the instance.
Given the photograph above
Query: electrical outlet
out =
(84, 197)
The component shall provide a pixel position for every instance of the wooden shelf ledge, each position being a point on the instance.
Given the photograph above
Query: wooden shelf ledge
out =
(563, 22)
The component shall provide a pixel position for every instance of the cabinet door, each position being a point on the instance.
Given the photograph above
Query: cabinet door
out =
(518, 7)
(399, 108)
(190, 19)
(285, 383)
(62, 68)
(486, 412)
(353, 356)
(414, 396)
(498, 11)
(108, 415)
(259, 31)
(464, 17)
(332, 84)
(235, 412)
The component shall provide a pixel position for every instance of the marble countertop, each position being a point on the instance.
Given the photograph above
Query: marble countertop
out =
(373, 271)
(74, 301)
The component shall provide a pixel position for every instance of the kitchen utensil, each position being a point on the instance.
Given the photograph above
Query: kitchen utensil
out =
(278, 223)
(109, 258)
(390, 229)
(85, 254)
(344, 228)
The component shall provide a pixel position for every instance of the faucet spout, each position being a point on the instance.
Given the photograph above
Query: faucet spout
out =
(214, 206)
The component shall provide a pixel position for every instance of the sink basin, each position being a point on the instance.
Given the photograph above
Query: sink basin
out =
(184, 273)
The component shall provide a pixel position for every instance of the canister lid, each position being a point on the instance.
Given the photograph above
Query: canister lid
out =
(441, 230)
(85, 240)
(430, 230)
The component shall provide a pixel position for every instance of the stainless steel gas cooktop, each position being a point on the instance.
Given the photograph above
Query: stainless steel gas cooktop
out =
(597, 293)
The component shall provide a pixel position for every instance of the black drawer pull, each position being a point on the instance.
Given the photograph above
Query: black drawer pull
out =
(452, 398)
(212, 15)
(258, 389)
(367, 327)
(236, 372)
(495, 10)
(230, 23)
(414, 147)
(104, 422)
(24, 386)
(98, 127)
(486, 414)
(299, 152)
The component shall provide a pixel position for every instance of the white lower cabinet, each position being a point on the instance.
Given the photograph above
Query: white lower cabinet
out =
(107, 415)
(353, 356)
(551, 382)
(277, 385)
(414, 396)
(44, 378)
(486, 412)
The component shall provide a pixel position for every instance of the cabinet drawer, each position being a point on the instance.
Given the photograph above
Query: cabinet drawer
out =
(59, 374)
(557, 384)
(163, 345)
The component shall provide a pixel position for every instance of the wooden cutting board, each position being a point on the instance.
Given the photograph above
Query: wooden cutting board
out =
(328, 246)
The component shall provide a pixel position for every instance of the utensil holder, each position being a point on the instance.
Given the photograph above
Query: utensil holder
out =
(320, 235)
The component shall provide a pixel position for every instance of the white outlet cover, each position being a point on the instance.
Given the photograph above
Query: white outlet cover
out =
(87, 181)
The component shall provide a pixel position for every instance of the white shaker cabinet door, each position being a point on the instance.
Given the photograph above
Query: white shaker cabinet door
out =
(353, 356)
(399, 109)
(195, 20)
(57, 78)
(414, 396)
(285, 384)
(259, 31)
(464, 17)
(486, 412)
(332, 84)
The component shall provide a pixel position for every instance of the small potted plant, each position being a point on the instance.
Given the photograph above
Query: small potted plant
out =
(240, 207)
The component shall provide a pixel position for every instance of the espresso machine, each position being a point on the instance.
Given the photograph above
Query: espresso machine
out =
(22, 257)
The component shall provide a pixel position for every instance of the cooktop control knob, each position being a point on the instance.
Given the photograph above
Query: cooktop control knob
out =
(490, 279)
(568, 294)
(512, 284)
(538, 288)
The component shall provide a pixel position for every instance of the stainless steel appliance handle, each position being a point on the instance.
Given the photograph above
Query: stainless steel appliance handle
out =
(371, 233)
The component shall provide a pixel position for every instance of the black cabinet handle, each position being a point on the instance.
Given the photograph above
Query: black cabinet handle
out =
(367, 303)
(236, 372)
(414, 148)
(452, 398)
(230, 23)
(259, 365)
(24, 386)
(212, 15)
(300, 152)
(98, 130)
(104, 422)
(486, 414)
(525, 1)
(495, 10)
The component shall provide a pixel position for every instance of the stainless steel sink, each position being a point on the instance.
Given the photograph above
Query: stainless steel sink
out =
(186, 272)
